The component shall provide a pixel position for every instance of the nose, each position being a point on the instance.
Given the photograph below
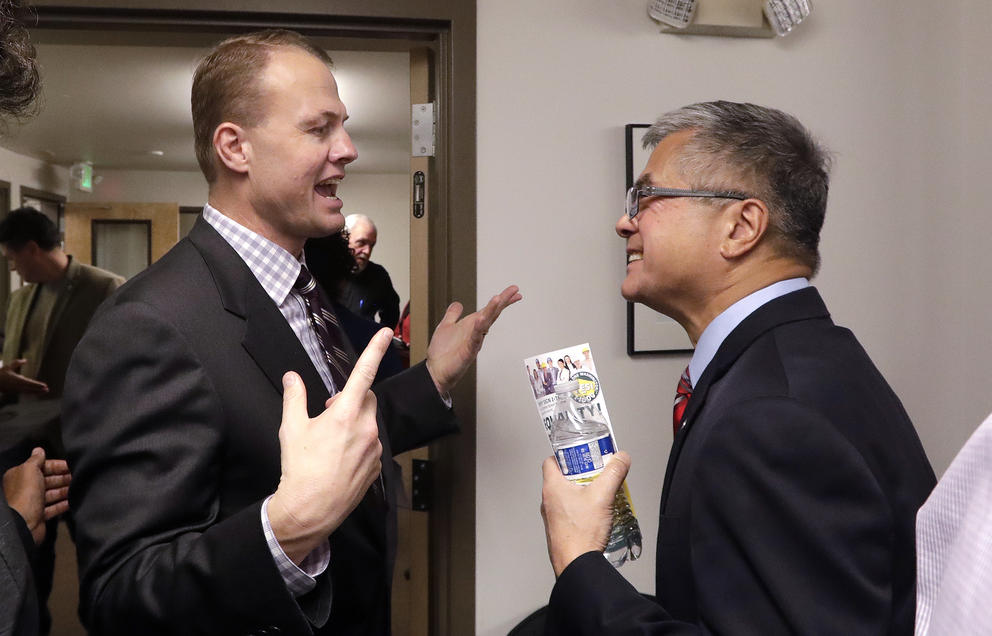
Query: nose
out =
(343, 151)
(625, 226)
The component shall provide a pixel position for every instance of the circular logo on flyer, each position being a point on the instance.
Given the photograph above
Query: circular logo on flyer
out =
(588, 387)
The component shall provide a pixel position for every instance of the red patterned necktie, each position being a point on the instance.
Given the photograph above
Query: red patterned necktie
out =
(682, 394)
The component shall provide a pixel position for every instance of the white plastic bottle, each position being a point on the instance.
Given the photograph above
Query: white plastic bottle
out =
(583, 445)
(581, 441)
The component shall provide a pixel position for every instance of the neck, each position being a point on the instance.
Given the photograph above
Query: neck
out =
(54, 266)
(238, 208)
(739, 283)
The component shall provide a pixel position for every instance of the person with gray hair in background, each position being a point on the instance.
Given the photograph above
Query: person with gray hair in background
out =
(367, 290)
(795, 475)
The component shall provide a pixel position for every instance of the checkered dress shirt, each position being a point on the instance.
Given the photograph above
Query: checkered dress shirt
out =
(953, 545)
(276, 271)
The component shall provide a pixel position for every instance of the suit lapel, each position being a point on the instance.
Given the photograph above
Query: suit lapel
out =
(268, 338)
(71, 279)
(804, 304)
(18, 314)
(271, 343)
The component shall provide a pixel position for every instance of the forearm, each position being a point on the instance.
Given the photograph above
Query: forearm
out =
(221, 580)
(413, 411)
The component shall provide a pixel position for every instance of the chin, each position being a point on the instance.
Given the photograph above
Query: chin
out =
(333, 223)
(629, 292)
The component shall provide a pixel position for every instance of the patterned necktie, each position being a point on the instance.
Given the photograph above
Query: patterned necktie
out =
(330, 337)
(325, 327)
(682, 394)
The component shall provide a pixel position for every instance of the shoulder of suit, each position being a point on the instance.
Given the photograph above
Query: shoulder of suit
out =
(93, 271)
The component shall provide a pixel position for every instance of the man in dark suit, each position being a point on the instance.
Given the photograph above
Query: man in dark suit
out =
(196, 511)
(795, 475)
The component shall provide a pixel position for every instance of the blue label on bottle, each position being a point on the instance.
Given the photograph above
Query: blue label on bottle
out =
(606, 446)
(584, 460)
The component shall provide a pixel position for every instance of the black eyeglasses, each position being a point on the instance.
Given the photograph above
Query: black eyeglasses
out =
(633, 204)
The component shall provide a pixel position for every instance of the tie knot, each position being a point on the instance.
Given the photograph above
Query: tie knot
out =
(304, 282)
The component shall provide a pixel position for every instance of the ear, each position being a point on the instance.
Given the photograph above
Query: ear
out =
(232, 147)
(747, 222)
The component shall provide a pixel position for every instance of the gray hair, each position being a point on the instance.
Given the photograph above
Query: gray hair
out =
(762, 151)
(353, 219)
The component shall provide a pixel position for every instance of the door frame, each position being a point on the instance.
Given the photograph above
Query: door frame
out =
(49, 197)
(449, 28)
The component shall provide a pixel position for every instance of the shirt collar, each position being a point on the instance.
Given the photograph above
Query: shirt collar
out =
(274, 267)
(721, 326)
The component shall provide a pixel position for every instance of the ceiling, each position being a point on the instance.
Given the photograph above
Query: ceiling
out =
(118, 105)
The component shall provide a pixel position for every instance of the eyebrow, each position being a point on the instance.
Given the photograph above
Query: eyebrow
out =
(642, 181)
(322, 116)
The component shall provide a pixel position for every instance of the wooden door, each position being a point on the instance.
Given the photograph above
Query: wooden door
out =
(83, 221)
(411, 577)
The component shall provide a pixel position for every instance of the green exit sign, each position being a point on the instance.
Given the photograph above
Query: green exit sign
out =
(86, 178)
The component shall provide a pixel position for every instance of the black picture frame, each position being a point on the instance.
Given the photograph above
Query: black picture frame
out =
(648, 332)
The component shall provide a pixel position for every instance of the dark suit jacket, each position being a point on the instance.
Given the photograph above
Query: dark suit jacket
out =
(18, 599)
(789, 501)
(370, 292)
(171, 419)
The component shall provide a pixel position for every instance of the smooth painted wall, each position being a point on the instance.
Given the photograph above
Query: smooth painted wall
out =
(187, 188)
(21, 170)
(900, 92)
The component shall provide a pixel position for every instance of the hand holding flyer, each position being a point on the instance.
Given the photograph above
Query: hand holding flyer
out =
(572, 407)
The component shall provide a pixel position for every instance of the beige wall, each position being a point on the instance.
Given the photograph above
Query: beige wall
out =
(21, 170)
(899, 91)
(148, 186)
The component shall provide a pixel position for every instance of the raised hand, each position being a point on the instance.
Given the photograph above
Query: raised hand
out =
(577, 519)
(456, 343)
(328, 462)
(38, 490)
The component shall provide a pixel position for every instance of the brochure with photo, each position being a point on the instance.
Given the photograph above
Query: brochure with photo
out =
(572, 408)
(554, 367)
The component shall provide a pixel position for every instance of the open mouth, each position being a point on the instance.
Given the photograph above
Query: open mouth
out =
(634, 256)
(328, 188)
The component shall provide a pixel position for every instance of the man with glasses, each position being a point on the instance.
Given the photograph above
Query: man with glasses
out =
(795, 474)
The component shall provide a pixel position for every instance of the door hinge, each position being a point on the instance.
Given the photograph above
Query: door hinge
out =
(423, 130)
(423, 485)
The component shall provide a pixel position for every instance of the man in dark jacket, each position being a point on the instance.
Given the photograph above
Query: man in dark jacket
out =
(793, 482)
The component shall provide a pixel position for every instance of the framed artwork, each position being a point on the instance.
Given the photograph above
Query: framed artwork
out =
(647, 331)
